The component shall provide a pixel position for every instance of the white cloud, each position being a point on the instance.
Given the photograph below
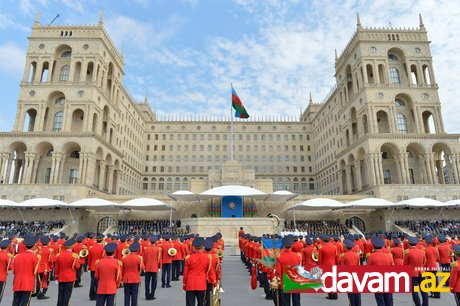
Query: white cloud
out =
(12, 59)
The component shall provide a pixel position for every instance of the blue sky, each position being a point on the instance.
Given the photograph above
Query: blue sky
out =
(183, 54)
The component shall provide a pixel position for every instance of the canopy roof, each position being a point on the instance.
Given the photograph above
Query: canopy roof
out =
(41, 203)
(183, 195)
(370, 203)
(281, 196)
(93, 203)
(424, 203)
(232, 190)
(7, 203)
(319, 204)
(145, 204)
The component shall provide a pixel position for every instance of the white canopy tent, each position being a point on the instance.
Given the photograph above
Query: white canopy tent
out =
(232, 190)
(372, 203)
(7, 203)
(318, 204)
(424, 203)
(94, 203)
(183, 195)
(281, 196)
(145, 204)
(42, 203)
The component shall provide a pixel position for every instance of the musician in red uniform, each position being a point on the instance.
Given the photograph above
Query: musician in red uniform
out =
(44, 269)
(215, 264)
(25, 269)
(166, 261)
(397, 252)
(76, 249)
(416, 258)
(108, 273)
(307, 254)
(67, 265)
(379, 258)
(444, 249)
(328, 255)
(287, 258)
(177, 259)
(95, 253)
(432, 259)
(351, 258)
(6, 260)
(455, 275)
(152, 261)
(132, 267)
(198, 269)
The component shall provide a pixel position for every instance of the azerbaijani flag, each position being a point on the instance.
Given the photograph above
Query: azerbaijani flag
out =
(297, 279)
(271, 250)
(240, 111)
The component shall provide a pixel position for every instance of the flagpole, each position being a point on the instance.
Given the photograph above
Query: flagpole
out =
(231, 125)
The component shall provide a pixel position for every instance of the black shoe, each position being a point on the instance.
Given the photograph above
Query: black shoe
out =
(162, 286)
(77, 286)
(168, 286)
(42, 297)
(34, 294)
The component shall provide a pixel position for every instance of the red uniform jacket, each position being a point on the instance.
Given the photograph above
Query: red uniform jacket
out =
(180, 250)
(398, 254)
(45, 260)
(287, 258)
(454, 281)
(349, 258)
(416, 258)
(95, 253)
(198, 269)
(378, 258)
(444, 253)
(67, 264)
(327, 255)
(152, 258)
(108, 272)
(121, 247)
(77, 248)
(5, 265)
(131, 269)
(432, 258)
(25, 269)
(297, 247)
(307, 260)
(165, 258)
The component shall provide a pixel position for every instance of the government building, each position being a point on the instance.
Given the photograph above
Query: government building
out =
(79, 134)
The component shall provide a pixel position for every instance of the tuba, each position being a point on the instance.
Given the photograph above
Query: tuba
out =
(315, 256)
(83, 253)
(125, 252)
(215, 296)
(172, 252)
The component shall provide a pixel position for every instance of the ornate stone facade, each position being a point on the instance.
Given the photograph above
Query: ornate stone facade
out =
(78, 133)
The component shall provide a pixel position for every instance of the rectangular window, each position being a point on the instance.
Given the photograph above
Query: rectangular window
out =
(386, 177)
(47, 175)
(73, 177)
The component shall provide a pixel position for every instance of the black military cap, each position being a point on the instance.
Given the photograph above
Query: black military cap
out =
(69, 242)
(134, 247)
(110, 247)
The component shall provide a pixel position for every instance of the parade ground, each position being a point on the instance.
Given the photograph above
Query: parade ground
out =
(236, 283)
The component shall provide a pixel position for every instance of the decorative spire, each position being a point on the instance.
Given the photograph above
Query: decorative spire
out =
(336, 56)
(37, 18)
(421, 21)
(146, 100)
(310, 100)
(358, 22)
(101, 18)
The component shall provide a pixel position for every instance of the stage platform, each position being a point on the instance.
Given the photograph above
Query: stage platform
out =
(229, 227)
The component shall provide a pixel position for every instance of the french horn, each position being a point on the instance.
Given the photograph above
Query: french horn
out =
(83, 253)
(315, 256)
(125, 252)
(172, 252)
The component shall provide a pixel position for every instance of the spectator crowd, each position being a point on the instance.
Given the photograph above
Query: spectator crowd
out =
(150, 227)
(449, 228)
(22, 228)
(317, 227)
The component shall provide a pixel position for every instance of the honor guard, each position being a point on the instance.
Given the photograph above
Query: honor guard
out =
(67, 265)
(152, 261)
(6, 260)
(108, 273)
(351, 258)
(132, 267)
(166, 260)
(198, 270)
(416, 258)
(95, 253)
(432, 258)
(454, 283)
(379, 258)
(177, 259)
(397, 252)
(77, 248)
(287, 258)
(25, 269)
(215, 264)
(327, 256)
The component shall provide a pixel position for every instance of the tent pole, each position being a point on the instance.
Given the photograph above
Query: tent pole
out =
(71, 215)
(294, 218)
(170, 217)
(437, 217)
(20, 213)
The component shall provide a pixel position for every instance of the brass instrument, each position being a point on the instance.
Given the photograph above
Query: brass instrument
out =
(215, 296)
(315, 256)
(125, 252)
(172, 252)
(220, 253)
(83, 253)
(275, 283)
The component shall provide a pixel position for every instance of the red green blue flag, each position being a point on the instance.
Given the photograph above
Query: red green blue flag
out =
(271, 250)
(240, 111)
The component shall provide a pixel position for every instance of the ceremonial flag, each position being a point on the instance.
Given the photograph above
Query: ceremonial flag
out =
(271, 250)
(296, 278)
(240, 111)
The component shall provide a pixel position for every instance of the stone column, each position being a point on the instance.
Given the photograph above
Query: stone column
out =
(455, 167)
(55, 167)
(433, 169)
(406, 168)
(401, 169)
(80, 169)
(84, 68)
(359, 182)
(370, 170)
(9, 163)
(101, 174)
(35, 168)
(117, 181)
(379, 167)
(3, 159)
(349, 178)
(28, 168)
(110, 179)
(50, 71)
(91, 166)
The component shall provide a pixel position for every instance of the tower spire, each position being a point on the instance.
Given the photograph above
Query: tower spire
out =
(310, 101)
(37, 18)
(358, 21)
(421, 21)
(336, 57)
(101, 18)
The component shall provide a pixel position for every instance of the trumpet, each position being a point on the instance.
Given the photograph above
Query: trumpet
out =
(172, 252)
(125, 252)
(315, 256)
(83, 253)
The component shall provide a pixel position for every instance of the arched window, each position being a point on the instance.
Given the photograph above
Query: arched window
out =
(60, 101)
(392, 58)
(64, 76)
(394, 76)
(402, 123)
(66, 54)
(75, 154)
(399, 102)
(57, 123)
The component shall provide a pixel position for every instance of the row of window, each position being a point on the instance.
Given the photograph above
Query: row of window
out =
(255, 148)
(218, 158)
(215, 136)
(201, 169)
